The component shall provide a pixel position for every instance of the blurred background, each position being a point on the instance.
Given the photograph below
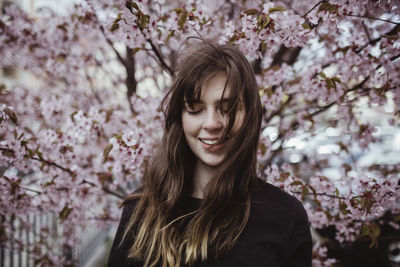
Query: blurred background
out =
(81, 83)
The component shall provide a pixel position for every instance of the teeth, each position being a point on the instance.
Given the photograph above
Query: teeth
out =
(209, 142)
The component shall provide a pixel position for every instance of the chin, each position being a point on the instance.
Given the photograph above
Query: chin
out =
(212, 162)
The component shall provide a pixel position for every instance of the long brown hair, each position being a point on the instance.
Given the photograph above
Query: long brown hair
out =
(156, 225)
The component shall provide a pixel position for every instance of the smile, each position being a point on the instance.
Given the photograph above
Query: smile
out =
(208, 141)
(211, 141)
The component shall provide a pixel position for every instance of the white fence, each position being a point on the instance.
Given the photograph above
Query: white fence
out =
(12, 256)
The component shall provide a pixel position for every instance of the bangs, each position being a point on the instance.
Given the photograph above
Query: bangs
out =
(233, 89)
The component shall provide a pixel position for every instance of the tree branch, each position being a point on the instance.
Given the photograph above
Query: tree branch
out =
(55, 165)
(393, 31)
(131, 83)
(327, 195)
(286, 54)
(112, 46)
(155, 49)
(372, 18)
(366, 32)
(164, 65)
(317, 4)
(43, 160)
(279, 110)
(106, 189)
(114, 193)
(96, 96)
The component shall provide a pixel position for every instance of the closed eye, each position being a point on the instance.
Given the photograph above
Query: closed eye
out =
(193, 110)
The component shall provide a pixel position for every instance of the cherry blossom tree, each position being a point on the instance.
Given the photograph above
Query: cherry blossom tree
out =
(80, 116)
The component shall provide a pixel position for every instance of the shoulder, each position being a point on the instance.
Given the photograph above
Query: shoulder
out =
(130, 203)
(273, 199)
(264, 191)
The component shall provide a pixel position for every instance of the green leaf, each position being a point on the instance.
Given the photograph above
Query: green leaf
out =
(104, 177)
(115, 26)
(182, 18)
(276, 9)
(118, 137)
(330, 84)
(252, 11)
(306, 25)
(61, 57)
(32, 47)
(178, 10)
(135, 50)
(376, 229)
(39, 154)
(365, 231)
(134, 5)
(285, 175)
(143, 20)
(328, 8)
(263, 149)
(323, 75)
(336, 79)
(315, 195)
(343, 49)
(46, 184)
(64, 213)
(263, 46)
(304, 193)
(297, 182)
(106, 151)
(263, 21)
(10, 113)
(343, 208)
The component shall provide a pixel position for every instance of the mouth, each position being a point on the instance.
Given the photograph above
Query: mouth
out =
(210, 141)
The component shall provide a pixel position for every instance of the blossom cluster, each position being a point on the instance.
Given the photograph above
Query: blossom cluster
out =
(77, 132)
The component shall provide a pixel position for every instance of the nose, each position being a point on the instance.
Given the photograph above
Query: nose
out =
(213, 120)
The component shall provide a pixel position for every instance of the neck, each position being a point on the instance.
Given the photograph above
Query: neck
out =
(201, 177)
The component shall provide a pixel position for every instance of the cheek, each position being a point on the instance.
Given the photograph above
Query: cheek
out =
(189, 125)
(239, 120)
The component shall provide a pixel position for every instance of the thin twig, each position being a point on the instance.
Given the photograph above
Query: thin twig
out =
(112, 46)
(328, 195)
(96, 96)
(368, 17)
(164, 65)
(43, 160)
(54, 164)
(366, 32)
(106, 189)
(317, 4)
(114, 193)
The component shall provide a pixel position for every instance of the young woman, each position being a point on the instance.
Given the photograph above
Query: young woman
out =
(201, 203)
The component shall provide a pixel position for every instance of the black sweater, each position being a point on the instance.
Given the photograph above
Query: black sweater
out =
(277, 233)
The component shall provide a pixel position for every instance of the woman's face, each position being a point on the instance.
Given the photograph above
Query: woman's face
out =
(204, 123)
